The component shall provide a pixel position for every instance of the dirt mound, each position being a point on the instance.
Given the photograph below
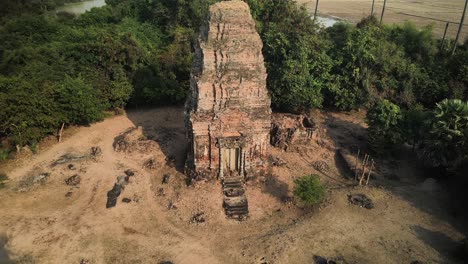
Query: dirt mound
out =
(133, 140)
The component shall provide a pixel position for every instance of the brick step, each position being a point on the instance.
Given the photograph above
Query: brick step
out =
(227, 187)
(233, 192)
(233, 179)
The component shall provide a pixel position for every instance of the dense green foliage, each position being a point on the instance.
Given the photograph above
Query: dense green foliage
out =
(384, 120)
(63, 68)
(447, 141)
(309, 189)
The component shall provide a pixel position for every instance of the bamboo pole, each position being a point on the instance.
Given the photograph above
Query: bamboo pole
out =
(363, 169)
(370, 171)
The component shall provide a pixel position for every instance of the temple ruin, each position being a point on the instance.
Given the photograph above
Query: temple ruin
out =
(228, 114)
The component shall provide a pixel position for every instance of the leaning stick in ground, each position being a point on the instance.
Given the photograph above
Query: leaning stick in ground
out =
(370, 171)
(366, 158)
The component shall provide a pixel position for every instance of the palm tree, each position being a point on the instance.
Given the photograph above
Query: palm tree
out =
(447, 143)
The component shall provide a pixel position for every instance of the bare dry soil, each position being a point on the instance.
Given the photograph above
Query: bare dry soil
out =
(47, 219)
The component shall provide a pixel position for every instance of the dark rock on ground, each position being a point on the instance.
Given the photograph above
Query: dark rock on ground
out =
(161, 192)
(69, 158)
(322, 260)
(166, 178)
(126, 200)
(129, 173)
(68, 194)
(361, 200)
(71, 167)
(165, 262)
(96, 151)
(112, 195)
(197, 218)
(150, 164)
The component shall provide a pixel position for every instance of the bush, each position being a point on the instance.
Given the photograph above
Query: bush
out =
(79, 102)
(309, 189)
(4, 154)
(384, 125)
(447, 143)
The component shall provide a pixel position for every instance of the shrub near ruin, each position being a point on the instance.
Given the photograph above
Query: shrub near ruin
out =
(309, 189)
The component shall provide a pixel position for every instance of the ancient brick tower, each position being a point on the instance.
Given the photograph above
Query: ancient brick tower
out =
(228, 114)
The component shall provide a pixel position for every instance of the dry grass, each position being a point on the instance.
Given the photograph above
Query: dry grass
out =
(416, 11)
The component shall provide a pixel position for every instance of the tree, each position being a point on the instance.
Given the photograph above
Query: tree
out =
(309, 189)
(78, 102)
(447, 144)
(384, 119)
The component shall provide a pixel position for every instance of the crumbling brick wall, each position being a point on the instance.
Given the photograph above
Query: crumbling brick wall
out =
(228, 114)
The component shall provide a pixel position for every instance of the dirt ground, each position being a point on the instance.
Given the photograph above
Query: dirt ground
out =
(398, 12)
(52, 222)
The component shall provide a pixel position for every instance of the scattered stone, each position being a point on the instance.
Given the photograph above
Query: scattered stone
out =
(122, 180)
(320, 166)
(133, 140)
(417, 262)
(263, 260)
(166, 178)
(136, 199)
(289, 130)
(287, 199)
(69, 158)
(276, 161)
(68, 194)
(129, 173)
(322, 260)
(197, 218)
(71, 167)
(161, 192)
(126, 200)
(32, 179)
(112, 195)
(73, 180)
(150, 164)
(361, 200)
(85, 261)
(96, 151)
(41, 178)
(165, 262)
(172, 205)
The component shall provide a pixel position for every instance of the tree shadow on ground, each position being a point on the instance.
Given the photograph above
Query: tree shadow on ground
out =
(4, 254)
(166, 127)
(437, 202)
(443, 244)
(276, 188)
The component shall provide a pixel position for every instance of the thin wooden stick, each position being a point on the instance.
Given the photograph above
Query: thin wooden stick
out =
(60, 133)
(363, 169)
(370, 171)
(355, 167)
